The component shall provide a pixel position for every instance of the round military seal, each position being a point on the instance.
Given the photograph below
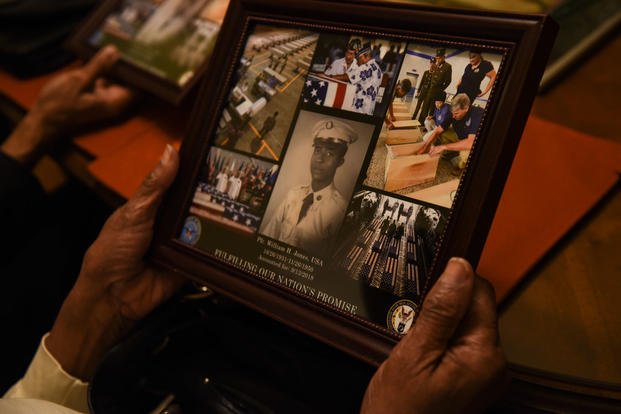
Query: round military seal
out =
(191, 230)
(401, 316)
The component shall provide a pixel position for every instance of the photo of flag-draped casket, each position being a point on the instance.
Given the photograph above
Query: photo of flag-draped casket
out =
(324, 91)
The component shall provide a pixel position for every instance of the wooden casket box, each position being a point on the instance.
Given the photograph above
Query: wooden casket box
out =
(405, 169)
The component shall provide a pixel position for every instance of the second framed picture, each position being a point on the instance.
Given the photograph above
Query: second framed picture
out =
(165, 45)
(341, 152)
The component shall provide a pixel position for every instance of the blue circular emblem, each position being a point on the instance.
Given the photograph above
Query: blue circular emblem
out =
(191, 231)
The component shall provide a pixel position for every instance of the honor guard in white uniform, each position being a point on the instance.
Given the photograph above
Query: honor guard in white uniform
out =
(367, 78)
(222, 181)
(342, 65)
(310, 215)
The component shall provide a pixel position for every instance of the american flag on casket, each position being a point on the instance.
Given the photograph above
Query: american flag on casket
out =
(326, 92)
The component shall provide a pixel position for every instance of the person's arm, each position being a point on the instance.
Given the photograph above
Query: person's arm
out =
(492, 78)
(461, 145)
(342, 77)
(451, 361)
(434, 134)
(390, 117)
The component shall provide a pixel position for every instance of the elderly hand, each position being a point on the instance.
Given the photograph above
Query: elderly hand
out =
(115, 288)
(71, 100)
(451, 360)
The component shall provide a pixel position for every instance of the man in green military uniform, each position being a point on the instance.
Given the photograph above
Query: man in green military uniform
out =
(425, 82)
(440, 79)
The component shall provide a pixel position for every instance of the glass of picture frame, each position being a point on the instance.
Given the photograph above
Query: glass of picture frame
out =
(340, 153)
(165, 45)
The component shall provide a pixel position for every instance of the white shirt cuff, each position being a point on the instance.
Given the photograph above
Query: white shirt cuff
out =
(46, 380)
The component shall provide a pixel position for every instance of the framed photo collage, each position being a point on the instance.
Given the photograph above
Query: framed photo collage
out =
(329, 167)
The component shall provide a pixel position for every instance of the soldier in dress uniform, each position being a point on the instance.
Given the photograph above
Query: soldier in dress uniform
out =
(310, 215)
(425, 82)
(440, 79)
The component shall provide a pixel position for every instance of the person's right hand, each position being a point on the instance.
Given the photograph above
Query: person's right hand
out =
(451, 360)
(116, 287)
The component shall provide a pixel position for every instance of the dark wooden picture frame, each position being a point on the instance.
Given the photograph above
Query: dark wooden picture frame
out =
(137, 72)
(525, 41)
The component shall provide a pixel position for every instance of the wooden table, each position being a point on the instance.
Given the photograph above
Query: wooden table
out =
(565, 318)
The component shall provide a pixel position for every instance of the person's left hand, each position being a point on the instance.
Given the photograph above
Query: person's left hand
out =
(72, 100)
(116, 287)
(82, 96)
(437, 150)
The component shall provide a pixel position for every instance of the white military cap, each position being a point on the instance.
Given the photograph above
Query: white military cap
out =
(331, 130)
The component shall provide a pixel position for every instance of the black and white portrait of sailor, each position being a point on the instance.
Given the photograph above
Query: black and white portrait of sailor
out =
(309, 215)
